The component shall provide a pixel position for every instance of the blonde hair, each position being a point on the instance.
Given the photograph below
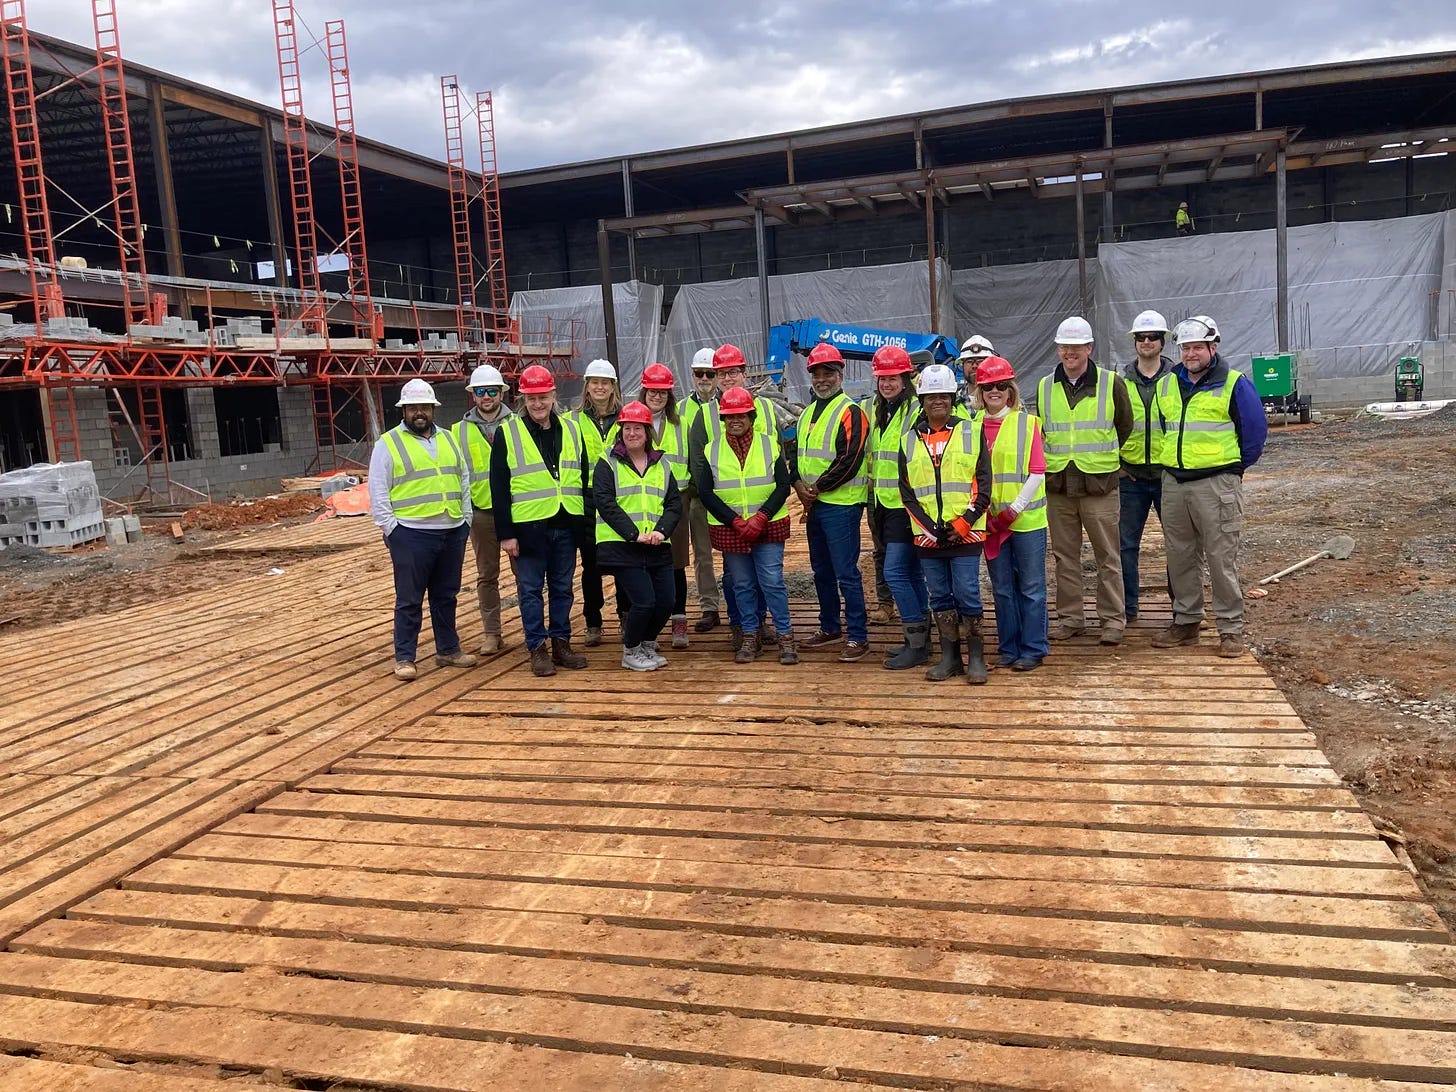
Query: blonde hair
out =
(1013, 396)
(614, 404)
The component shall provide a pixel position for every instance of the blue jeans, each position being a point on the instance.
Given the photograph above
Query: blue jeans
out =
(426, 562)
(551, 565)
(730, 601)
(907, 581)
(834, 556)
(757, 580)
(1018, 583)
(1136, 498)
(954, 583)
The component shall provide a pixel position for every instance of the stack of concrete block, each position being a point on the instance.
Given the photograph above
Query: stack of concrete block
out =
(52, 505)
(70, 328)
(173, 328)
(434, 343)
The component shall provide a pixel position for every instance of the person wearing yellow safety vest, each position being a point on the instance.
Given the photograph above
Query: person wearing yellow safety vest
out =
(705, 390)
(1140, 489)
(1214, 429)
(638, 507)
(744, 482)
(419, 497)
(832, 483)
(538, 481)
(474, 434)
(1182, 222)
(730, 370)
(890, 417)
(1016, 528)
(670, 434)
(1086, 417)
(595, 417)
(945, 484)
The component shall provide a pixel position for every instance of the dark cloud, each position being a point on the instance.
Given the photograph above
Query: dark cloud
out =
(577, 80)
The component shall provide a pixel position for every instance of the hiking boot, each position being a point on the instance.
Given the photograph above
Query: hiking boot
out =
(593, 637)
(708, 622)
(404, 669)
(768, 637)
(788, 649)
(649, 650)
(1179, 633)
(818, 639)
(884, 613)
(916, 649)
(975, 651)
(1064, 632)
(735, 637)
(456, 659)
(563, 655)
(747, 652)
(635, 659)
(679, 631)
(1230, 645)
(854, 652)
(541, 664)
(1110, 637)
(948, 626)
(491, 644)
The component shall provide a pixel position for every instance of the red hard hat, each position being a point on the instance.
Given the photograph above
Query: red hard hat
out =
(635, 413)
(728, 356)
(994, 369)
(825, 353)
(891, 360)
(735, 400)
(537, 380)
(657, 377)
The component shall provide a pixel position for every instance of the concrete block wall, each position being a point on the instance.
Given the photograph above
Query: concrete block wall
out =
(1439, 358)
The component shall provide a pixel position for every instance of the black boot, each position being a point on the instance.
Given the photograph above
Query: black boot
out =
(916, 649)
(948, 625)
(975, 651)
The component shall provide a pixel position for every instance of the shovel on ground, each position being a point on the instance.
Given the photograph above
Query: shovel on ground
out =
(1340, 548)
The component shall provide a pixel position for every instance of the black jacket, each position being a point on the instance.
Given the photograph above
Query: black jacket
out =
(530, 535)
(631, 554)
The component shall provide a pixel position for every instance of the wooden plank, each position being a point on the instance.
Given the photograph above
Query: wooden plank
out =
(37, 1073)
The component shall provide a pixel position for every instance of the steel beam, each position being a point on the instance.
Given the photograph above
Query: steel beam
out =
(604, 268)
(1281, 251)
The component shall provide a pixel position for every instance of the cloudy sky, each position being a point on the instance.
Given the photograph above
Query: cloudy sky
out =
(577, 80)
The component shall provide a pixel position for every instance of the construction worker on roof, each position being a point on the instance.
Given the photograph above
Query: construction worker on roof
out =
(1141, 486)
(537, 482)
(474, 433)
(670, 436)
(705, 390)
(595, 417)
(1182, 222)
(419, 497)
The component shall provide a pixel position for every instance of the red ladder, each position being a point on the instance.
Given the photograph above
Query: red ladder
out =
(311, 312)
(495, 248)
(350, 188)
(465, 317)
(35, 217)
(120, 164)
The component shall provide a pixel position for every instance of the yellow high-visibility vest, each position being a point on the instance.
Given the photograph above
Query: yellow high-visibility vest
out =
(535, 494)
(425, 485)
(746, 486)
(817, 450)
(1084, 435)
(947, 489)
(641, 497)
(1011, 466)
(1199, 432)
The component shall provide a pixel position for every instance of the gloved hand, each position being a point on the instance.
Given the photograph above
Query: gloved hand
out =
(1002, 521)
(942, 536)
(755, 526)
(740, 526)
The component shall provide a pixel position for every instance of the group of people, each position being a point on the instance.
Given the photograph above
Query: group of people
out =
(947, 473)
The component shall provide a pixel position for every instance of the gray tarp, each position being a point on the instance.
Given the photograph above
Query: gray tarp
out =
(890, 297)
(639, 321)
(1018, 308)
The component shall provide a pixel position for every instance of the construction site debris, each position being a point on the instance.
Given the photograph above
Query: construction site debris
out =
(50, 505)
(222, 517)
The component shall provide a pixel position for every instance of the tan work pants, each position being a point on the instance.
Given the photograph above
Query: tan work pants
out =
(707, 583)
(486, 548)
(1203, 520)
(1067, 519)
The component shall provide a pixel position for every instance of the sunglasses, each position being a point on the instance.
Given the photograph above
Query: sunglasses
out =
(995, 386)
(1147, 337)
(485, 392)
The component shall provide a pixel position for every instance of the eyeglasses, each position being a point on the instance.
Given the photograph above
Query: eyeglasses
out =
(1147, 337)
(485, 392)
(995, 386)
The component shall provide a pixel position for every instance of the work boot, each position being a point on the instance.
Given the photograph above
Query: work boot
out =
(1065, 632)
(916, 649)
(768, 637)
(708, 622)
(593, 636)
(883, 613)
(735, 637)
(679, 631)
(975, 651)
(747, 652)
(818, 639)
(456, 659)
(649, 649)
(541, 665)
(1179, 633)
(788, 650)
(1230, 645)
(563, 655)
(404, 669)
(635, 659)
(948, 625)
(491, 644)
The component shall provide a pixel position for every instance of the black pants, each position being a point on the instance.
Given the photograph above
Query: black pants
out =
(426, 563)
(649, 595)
(592, 596)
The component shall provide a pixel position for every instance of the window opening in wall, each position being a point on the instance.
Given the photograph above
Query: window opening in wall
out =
(127, 421)
(22, 429)
(248, 420)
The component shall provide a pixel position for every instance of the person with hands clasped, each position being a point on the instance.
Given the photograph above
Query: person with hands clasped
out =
(744, 483)
(945, 482)
(637, 509)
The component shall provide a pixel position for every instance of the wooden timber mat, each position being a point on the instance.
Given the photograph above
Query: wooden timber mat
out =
(239, 853)
(320, 534)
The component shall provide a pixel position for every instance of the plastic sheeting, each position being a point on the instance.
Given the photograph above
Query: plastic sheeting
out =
(1018, 307)
(1360, 292)
(890, 297)
(638, 308)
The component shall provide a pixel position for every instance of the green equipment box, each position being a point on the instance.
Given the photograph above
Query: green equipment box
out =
(1276, 378)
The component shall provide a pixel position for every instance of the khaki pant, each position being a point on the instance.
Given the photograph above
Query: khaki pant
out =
(708, 597)
(487, 569)
(1067, 519)
(1202, 520)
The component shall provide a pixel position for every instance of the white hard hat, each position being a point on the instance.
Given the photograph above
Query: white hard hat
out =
(417, 393)
(976, 347)
(1197, 328)
(1211, 325)
(703, 360)
(1149, 322)
(936, 379)
(1074, 331)
(600, 369)
(487, 375)
(1182, 204)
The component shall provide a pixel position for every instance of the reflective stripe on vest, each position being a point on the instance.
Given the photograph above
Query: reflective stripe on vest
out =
(713, 420)
(476, 449)
(673, 443)
(884, 457)
(1011, 466)
(593, 440)
(641, 497)
(1084, 435)
(817, 448)
(744, 487)
(945, 489)
(535, 494)
(1144, 445)
(425, 485)
(1199, 432)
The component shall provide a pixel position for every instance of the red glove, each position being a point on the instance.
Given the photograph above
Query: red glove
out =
(1002, 521)
(740, 527)
(755, 526)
